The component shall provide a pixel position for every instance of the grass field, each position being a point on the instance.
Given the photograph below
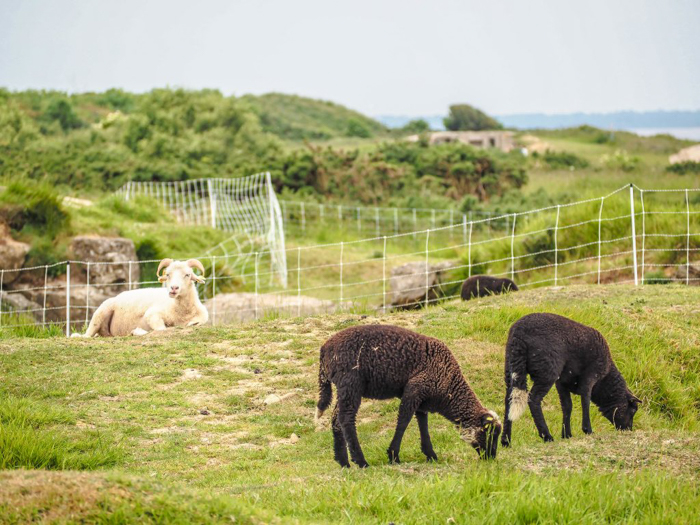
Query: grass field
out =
(174, 428)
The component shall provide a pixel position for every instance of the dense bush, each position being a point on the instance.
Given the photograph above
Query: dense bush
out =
(684, 168)
(563, 160)
(26, 204)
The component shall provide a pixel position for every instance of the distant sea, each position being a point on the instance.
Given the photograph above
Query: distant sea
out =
(680, 133)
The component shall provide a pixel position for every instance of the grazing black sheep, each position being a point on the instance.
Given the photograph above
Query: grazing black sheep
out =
(557, 351)
(481, 285)
(383, 362)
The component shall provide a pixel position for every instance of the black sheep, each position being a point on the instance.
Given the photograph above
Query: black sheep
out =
(481, 285)
(557, 351)
(383, 362)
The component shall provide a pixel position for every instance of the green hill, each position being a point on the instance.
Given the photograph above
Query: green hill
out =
(299, 118)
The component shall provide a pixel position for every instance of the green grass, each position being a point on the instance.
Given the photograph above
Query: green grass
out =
(146, 396)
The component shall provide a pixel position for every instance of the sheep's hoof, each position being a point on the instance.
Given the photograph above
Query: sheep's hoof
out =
(505, 441)
(393, 456)
(588, 431)
(431, 457)
(363, 464)
(547, 439)
(565, 434)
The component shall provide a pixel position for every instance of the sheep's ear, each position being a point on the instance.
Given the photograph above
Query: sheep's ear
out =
(487, 421)
(162, 278)
(198, 278)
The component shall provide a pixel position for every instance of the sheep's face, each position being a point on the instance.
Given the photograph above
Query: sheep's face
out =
(484, 437)
(622, 415)
(179, 276)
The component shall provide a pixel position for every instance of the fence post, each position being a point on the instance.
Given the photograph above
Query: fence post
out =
(687, 243)
(512, 250)
(600, 222)
(129, 275)
(644, 229)
(341, 275)
(68, 299)
(464, 228)
(128, 190)
(298, 281)
(427, 284)
(303, 217)
(432, 218)
(556, 247)
(384, 275)
(359, 220)
(87, 296)
(212, 204)
(213, 290)
(376, 221)
(469, 249)
(320, 213)
(396, 221)
(634, 236)
(46, 280)
(256, 285)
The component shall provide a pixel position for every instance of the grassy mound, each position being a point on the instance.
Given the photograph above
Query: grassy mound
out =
(69, 497)
(188, 407)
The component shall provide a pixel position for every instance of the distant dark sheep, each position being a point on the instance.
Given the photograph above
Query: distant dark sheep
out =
(383, 362)
(557, 351)
(481, 285)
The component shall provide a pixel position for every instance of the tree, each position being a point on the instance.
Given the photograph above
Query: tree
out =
(415, 127)
(464, 117)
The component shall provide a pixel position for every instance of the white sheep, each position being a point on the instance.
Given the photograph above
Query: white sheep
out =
(137, 312)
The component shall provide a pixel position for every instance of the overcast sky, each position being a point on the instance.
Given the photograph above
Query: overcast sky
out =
(398, 57)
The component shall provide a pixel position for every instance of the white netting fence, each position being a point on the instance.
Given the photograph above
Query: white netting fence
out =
(628, 236)
(246, 206)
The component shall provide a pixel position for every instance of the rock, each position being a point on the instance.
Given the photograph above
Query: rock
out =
(19, 303)
(293, 439)
(408, 283)
(687, 154)
(12, 255)
(272, 399)
(693, 273)
(204, 411)
(106, 250)
(237, 307)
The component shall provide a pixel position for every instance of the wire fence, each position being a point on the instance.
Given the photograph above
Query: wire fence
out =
(631, 235)
(307, 216)
(246, 206)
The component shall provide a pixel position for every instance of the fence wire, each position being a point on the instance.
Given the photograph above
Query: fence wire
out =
(632, 235)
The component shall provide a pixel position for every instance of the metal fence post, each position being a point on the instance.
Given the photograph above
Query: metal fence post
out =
(341, 274)
(512, 250)
(469, 249)
(384, 275)
(600, 223)
(68, 299)
(298, 281)
(427, 284)
(687, 242)
(644, 229)
(87, 296)
(556, 247)
(634, 236)
(213, 290)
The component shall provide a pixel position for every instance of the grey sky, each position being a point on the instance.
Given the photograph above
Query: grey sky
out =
(380, 57)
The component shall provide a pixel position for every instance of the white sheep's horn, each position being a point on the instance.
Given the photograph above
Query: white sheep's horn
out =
(194, 263)
(163, 264)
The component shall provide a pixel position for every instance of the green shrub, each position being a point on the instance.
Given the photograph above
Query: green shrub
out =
(358, 129)
(563, 160)
(149, 249)
(684, 168)
(657, 277)
(621, 160)
(27, 204)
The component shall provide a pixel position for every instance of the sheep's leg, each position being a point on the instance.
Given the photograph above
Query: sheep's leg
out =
(539, 390)
(426, 445)
(586, 408)
(566, 407)
(348, 404)
(508, 423)
(410, 401)
(340, 447)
